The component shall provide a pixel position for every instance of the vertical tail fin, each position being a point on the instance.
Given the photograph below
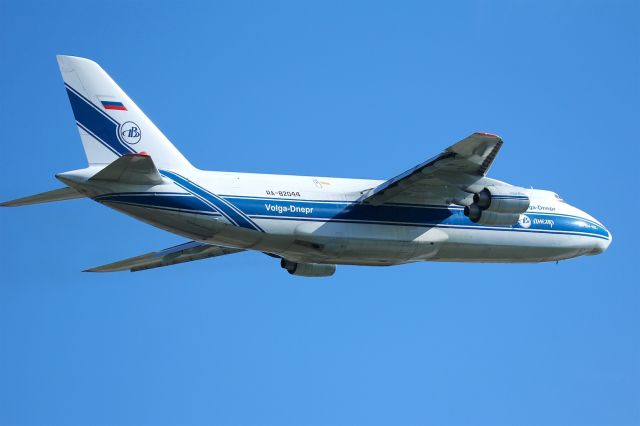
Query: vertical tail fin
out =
(110, 124)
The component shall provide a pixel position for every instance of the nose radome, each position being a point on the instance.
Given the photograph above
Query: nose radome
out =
(607, 243)
(600, 245)
(597, 245)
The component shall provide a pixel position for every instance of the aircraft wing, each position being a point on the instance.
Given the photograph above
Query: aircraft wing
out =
(186, 252)
(443, 176)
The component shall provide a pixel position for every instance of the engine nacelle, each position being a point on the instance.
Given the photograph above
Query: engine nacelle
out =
(308, 269)
(488, 217)
(502, 199)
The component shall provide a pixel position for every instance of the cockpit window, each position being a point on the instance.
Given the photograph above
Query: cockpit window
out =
(558, 198)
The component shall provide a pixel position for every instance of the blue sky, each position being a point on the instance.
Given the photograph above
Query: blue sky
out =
(349, 89)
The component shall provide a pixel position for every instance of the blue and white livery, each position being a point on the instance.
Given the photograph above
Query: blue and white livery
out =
(444, 209)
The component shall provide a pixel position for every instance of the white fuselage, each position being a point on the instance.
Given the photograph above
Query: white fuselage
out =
(319, 220)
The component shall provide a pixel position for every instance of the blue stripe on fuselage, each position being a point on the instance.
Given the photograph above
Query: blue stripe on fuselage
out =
(347, 211)
(410, 215)
(403, 215)
(227, 209)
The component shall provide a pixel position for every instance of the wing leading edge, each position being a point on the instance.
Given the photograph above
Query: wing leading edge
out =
(186, 252)
(466, 161)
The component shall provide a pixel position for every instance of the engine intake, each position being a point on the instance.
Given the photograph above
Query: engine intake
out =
(308, 269)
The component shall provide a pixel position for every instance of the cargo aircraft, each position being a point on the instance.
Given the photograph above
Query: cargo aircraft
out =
(444, 209)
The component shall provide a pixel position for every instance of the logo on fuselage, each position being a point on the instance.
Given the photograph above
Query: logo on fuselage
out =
(524, 221)
(547, 222)
(130, 132)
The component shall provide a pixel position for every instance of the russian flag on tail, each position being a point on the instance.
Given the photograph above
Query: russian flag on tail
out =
(113, 105)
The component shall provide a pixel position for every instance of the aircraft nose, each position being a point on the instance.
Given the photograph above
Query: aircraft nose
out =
(601, 244)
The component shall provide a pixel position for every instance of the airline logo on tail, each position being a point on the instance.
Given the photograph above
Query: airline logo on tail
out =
(130, 132)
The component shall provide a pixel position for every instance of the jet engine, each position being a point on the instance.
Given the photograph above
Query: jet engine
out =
(487, 217)
(497, 205)
(505, 199)
(308, 269)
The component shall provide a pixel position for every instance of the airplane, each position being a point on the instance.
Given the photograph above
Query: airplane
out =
(444, 209)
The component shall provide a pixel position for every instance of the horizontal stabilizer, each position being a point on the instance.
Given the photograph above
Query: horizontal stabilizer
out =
(186, 252)
(45, 197)
(134, 169)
